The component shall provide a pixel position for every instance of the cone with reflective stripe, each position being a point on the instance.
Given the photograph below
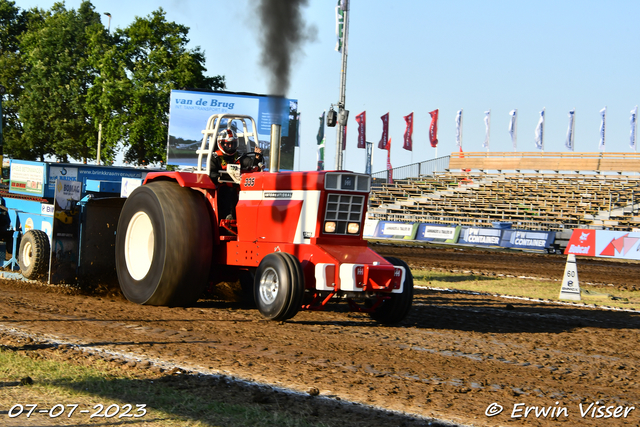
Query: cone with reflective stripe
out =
(570, 289)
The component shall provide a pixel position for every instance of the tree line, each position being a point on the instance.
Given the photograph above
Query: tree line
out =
(66, 76)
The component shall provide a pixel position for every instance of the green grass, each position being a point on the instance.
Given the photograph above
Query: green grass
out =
(530, 288)
(167, 404)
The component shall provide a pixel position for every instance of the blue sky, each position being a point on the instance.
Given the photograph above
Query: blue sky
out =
(415, 56)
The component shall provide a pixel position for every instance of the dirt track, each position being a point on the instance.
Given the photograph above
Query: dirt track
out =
(454, 356)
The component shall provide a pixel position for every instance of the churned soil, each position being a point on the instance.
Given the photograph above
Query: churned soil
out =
(457, 357)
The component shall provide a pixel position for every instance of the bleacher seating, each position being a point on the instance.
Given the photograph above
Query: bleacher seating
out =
(537, 201)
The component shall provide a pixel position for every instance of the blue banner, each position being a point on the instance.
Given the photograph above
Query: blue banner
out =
(527, 239)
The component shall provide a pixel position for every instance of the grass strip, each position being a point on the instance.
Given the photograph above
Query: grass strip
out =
(528, 288)
(182, 400)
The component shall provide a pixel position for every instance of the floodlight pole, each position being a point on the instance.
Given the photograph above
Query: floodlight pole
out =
(342, 114)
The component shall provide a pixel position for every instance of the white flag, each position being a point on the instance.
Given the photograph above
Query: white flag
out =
(570, 131)
(513, 128)
(487, 124)
(603, 114)
(634, 125)
(540, 132)
(459, 128)
(342, 7)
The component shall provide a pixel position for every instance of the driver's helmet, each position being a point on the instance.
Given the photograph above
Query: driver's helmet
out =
(228, 142)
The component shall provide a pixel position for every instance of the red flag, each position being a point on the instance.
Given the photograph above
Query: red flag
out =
(433, 129)
(362, 128)
(385, 131)
(389, 168)
(408, 133)
(344, 137)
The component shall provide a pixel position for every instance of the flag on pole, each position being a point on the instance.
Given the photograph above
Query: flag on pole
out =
(539, 136)
(385, 132)
(408, 133)
(344, 137)
(433, 128)
(389, 167)
(320, 139)
(634, 125)
(340, 9)
(603, 114)
(361, 119)
(487, 126)
(571, 130)
(459, 129)
(513, 128)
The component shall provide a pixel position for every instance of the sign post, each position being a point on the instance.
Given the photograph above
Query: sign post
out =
(570, 289)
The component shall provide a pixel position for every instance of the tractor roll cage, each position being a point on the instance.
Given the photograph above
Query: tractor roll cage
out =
(208, 145)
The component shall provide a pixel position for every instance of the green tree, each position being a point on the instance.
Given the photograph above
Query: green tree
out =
(53, 105)
(155, 60)
(13, 23)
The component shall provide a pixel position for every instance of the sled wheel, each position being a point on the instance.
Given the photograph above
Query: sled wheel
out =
(397, 307)
(163, 245)
(33, 255)
(279, 286)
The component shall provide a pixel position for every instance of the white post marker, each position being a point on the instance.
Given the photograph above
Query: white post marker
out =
(570, 289)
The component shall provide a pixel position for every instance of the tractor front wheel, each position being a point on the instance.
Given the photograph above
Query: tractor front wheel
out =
(164, 245)
(397, 306)
(279, 286)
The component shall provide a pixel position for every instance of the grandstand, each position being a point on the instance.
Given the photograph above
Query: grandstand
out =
(532, 191)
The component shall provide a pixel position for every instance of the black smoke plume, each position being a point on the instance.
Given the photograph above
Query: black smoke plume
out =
(283, 31)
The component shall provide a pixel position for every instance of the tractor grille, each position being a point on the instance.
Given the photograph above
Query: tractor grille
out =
(344, 209)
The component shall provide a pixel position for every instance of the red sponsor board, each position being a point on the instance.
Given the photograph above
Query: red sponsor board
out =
(582, 242)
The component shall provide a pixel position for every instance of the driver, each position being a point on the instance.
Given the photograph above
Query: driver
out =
(227, 153)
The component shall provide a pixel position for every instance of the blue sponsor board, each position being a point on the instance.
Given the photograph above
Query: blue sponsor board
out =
(396, 230)
(39, 178)
(480, 236)
(527, 239)
(437, 233)
(189, 113)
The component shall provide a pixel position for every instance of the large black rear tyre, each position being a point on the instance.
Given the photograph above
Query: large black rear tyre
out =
(279, 286)
(33, 255)
(397, 307)
(164, 245)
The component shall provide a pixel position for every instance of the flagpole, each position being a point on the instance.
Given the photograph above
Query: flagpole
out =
(515, 133)
(343, 86)
(461, 118)
(542, 129)
(635, 127)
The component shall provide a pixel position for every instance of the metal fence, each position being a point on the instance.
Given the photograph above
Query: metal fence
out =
(414, 170)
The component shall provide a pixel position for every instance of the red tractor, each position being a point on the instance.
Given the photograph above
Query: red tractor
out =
(296, 240)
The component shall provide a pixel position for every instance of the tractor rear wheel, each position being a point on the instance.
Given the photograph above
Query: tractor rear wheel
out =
(33, 255)
(279, 286)
(397, 307)
(164, 245)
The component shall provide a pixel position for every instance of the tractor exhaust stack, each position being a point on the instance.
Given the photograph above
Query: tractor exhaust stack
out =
(274, 150)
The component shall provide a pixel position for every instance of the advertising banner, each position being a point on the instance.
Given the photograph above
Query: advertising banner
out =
(437, 233)
(396, 230)
(190, 110)
(480, 236)
(527, 239)
(64, 242)
(582, 242)
(604, 244)
(26, 178)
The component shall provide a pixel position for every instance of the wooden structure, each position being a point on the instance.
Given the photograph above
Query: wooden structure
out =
(541, 161)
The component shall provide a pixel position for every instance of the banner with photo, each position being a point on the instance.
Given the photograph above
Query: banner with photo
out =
(190, 110)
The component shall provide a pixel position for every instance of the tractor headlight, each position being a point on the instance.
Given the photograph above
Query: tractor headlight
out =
(353, 228)
(330, 227)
